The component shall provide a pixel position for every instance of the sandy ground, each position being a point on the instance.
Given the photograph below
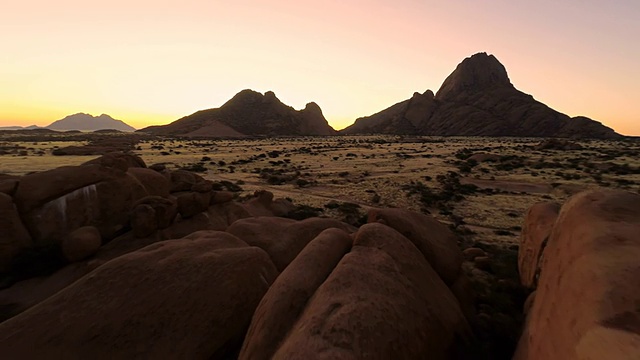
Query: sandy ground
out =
(375, 171)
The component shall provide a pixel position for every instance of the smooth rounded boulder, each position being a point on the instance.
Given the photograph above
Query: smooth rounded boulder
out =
(287, 297)
(81, 243)
(14, 237)
(434, 240)
(165, 209)
(177, 299)
(144, 220)
(382, 301)
(586, 302)
(282, 238)
(535, 232)
(154, 183)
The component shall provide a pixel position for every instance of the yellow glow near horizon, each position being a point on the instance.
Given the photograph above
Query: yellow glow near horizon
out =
(149, 63)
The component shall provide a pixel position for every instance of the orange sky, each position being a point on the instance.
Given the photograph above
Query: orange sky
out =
(151, 62)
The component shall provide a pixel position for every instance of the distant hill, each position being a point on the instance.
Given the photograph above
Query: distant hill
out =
(31, 127)
(249, 113)
(478, 99)
(86, 122)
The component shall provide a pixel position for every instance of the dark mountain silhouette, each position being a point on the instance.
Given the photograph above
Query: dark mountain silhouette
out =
(86, 122)
(30, 127)
(478, 99)
(249, 113)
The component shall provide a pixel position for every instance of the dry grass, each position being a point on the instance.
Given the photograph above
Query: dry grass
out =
(375, 170)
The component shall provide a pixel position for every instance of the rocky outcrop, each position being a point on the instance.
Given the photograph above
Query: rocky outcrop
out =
(81, 243)
(478, 99)
(189, 298)
(285, 301)
(54, 203)
(586, 301)
(282, 238)
(249, 113)
(113, 194)
(394, 287)
(537, 227)
(436, 242)
(104, 209)
(382, 300)
(14, 237)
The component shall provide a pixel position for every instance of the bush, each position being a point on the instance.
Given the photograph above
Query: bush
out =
(302, 212)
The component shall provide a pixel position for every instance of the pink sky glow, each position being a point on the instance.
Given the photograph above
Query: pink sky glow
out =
(152, 62)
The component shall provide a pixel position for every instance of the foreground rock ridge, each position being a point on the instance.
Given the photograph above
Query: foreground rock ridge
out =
(582, 261)
(478, 99)
(114, 259)
(249, 113)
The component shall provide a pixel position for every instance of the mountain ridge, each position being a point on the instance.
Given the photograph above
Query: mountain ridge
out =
(88, 122)
(249, 113)
(478, 99)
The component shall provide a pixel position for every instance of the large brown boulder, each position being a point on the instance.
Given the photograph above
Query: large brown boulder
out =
(217, 217)
(14, 237)
(535, 233)
(222, 215)
(144, 220)
(434, 240)
(37, 189)
(81, 243)
(119, 160)
(586, 302)
(382, 301)
(263, 204)
(26, 293)
(191, 203)
(281, 238)
(165, 209)
(105, 204)
(286, 299)
(189, 298)
(219, 197)
(8, 184)
(182, 180)
(153, 182)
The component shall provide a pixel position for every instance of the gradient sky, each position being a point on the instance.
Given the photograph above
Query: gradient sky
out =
(151, 62)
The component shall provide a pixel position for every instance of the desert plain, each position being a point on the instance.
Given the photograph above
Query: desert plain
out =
(480, 187)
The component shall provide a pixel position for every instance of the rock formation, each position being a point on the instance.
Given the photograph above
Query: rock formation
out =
(166, 266)
(186, 298)
(586, 302)
(478, 99)
(249, 113)
(378, 299)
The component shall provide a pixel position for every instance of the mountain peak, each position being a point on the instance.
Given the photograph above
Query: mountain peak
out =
(313, 107)
(475, 73)
(250, 97)
(88, 122)
(250, 113)
(478, 99)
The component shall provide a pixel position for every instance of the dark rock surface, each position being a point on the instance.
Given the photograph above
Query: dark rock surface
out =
(478, 99)
(249, 113)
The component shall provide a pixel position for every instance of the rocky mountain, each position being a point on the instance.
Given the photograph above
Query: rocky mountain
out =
(87, 122)
(30, 127)
(478, 99)
(249, 113)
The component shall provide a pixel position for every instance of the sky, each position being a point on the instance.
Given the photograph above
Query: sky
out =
(152, 62)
